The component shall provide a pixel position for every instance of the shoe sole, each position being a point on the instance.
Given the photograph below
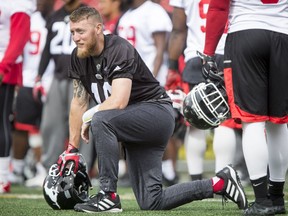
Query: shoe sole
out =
(114, 210)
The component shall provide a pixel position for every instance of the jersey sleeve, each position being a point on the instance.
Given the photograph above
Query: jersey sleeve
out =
(216, 20)
(20, 33)
(46, 53)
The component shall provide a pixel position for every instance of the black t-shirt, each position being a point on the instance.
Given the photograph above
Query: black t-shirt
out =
(119, 59)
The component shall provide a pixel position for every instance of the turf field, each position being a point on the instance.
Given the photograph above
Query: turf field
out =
(30, 202)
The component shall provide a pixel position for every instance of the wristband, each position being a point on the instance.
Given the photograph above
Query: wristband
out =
(173, 64)
(87, 116)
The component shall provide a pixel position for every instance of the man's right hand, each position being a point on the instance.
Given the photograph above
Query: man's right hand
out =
(173, 80)
(38, 90)
(70, 154)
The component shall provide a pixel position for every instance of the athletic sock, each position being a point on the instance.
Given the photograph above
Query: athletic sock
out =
(4, 169)
(260, 188)
(18, 165)
(113, 195)
(168, 170)
(217, 184)
(276, 192)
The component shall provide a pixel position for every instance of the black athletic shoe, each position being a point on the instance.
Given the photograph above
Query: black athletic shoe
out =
(101, 202)
(260, 208)
(233, 188)
(279, 209)
(278, 204)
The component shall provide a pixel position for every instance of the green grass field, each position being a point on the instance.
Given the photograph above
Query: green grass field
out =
(30, 202)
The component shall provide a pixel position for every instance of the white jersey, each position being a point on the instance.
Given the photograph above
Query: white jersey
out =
(138, 25)
(257, 14)
(7, 9)
(196, 12)
(33, 51)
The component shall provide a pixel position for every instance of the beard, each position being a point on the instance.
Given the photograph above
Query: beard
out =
(82, 53)
(87, 51)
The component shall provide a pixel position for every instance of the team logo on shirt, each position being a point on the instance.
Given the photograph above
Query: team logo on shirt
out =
(98, 76)
(98, 67)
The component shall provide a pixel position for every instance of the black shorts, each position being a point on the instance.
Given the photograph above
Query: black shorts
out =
(192, 72)
(256, 75)
(27, 111)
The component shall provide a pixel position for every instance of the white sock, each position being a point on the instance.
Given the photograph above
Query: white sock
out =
(168, 170)
(40, 169)
(224, 146)
(18, 165)
(4, 168)
(277, 136)
(195, 147)
(255, 149)
(122, 168)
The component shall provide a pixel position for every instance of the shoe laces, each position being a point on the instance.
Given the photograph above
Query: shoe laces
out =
(96, 198)
(224, 201)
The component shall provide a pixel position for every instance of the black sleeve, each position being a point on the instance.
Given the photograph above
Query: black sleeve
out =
(72, 70)
(45, 57)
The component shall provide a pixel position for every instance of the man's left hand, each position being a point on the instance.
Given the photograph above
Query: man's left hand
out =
(85, 132)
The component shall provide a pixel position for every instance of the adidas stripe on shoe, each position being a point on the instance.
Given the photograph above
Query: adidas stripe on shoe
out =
(101, 202)
(233, 188)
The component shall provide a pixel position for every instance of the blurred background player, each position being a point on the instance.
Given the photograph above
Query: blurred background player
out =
(188, 18)
(111, 10)
(59, 45)
(146, 25)
(28, 108)
(14, 33)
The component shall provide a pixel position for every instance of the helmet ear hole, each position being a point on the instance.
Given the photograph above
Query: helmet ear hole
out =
(205, 106)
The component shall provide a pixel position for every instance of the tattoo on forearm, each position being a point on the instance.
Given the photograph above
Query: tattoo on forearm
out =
(79, 90)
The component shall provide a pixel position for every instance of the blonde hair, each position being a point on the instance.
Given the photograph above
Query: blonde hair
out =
(84, 12)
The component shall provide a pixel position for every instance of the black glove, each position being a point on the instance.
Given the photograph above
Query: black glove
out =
(210, 70)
